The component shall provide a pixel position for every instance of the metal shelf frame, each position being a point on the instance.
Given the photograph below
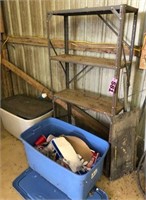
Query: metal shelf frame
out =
(119, 12)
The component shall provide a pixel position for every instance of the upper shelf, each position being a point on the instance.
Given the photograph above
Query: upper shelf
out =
(87, 60)
(94, 10)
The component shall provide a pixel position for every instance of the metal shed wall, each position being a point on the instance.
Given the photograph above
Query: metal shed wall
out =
(28, 18)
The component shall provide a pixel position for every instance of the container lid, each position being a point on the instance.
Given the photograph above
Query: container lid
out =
(33, 186)
(26, 107)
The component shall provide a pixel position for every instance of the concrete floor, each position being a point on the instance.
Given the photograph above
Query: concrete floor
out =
(13, 163)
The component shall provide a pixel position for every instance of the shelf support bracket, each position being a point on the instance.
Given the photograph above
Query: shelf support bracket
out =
(115, 12)
(85, 67)
(114, 31)
(56, 55)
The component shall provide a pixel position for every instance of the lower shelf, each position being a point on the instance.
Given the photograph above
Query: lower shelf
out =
(86, 100)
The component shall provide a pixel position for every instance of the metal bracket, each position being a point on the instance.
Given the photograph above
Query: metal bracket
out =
(115, 12)
(86, 66)
(110, 26)
(56, 55)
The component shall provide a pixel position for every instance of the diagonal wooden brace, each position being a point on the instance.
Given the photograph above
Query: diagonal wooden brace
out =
(77, 112)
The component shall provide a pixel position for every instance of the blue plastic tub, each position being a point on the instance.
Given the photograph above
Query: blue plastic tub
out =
(73, 185)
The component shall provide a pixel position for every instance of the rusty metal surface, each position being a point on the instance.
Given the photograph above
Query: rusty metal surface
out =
(123, 144)
(93, 11)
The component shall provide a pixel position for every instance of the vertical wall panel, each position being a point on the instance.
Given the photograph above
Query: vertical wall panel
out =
(46, 6)
(7, 18)
(36, 18)
(12, 56)
(25, 17)
(14, 17)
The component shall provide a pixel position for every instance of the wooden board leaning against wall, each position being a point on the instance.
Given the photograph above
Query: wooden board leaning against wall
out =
(73, 45)
(143, 54)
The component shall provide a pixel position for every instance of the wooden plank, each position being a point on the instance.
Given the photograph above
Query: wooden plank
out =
(88, 120)
(87, 60)
(89, 101)
(34, 41)
(88, 46)
(73, 45)
(26, 77)
(142, 64)
(123, 144)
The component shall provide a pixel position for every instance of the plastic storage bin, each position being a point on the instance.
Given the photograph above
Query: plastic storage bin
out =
(73, 185)
(20, 112)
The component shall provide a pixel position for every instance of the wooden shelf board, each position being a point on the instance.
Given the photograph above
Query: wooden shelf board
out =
(87, 60)
(86, 100)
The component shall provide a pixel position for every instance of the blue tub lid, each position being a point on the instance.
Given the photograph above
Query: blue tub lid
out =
(33, 186)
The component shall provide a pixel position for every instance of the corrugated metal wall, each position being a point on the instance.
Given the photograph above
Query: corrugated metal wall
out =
(28, 18)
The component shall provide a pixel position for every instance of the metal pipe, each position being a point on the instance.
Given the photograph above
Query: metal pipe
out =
(128, 80)
(132, 44)
(126, 105)
(78, 74)
(49, 48)
(118, 56)
(66, 45)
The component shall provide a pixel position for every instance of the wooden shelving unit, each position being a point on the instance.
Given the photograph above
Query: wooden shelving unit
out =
(110, 106)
